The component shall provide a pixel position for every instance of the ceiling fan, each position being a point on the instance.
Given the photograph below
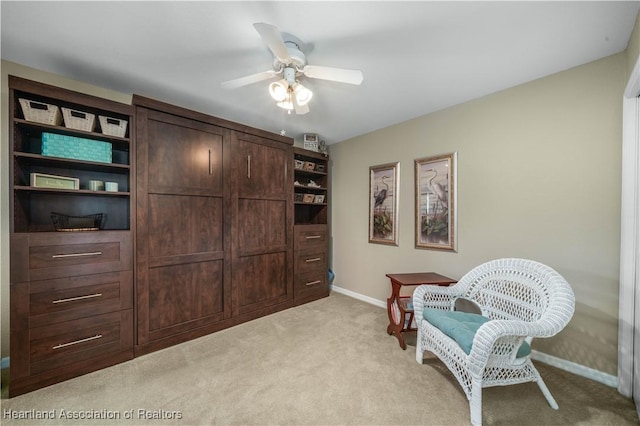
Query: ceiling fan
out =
(290, 62)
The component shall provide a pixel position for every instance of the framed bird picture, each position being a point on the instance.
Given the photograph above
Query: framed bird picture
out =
(384, 182)
(436, 216)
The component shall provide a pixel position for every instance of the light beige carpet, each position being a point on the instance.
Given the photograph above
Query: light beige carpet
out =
(329, 362)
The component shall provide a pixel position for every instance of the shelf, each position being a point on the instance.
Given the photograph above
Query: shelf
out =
(300, 203)
(71, 191)
(67, 131)
(42, 160)
(305, 187)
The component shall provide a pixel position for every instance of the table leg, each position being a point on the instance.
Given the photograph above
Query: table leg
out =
(396, 328)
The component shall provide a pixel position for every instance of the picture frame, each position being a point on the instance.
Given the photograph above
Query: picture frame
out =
(384, 181)
(436, 203)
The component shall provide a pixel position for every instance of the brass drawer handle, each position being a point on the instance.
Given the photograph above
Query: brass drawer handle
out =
(315, 259)
(72, 299)
(313, 282)
(75, 342)
(92, 253)
(312, 237)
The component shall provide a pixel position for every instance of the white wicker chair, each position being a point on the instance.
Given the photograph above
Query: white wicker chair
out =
(523, 299)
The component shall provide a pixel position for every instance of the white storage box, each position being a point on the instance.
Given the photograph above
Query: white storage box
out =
(113, 126)
(80, 120)
(41, 112)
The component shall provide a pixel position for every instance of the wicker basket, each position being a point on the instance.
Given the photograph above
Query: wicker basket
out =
(63, 222)
(80, 120)
(113, 126)
(41, 112)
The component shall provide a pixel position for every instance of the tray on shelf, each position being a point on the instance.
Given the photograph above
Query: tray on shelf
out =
(63, 222)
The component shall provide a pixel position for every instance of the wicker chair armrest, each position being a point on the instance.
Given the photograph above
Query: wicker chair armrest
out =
(489, 333)
(431, 296)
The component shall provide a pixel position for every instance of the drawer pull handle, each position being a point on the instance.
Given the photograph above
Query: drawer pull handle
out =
(72, 299)
(313, 282)
(91, 253)
(75, 342)
(312, 237)
(315, 259)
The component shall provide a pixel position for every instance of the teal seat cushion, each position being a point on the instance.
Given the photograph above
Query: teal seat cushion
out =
(462, 327)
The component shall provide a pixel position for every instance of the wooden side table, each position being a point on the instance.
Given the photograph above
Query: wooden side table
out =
(399, 307)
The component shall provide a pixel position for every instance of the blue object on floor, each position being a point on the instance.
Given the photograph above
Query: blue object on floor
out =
(331, 276)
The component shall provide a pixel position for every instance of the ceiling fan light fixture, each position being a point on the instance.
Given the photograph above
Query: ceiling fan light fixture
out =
(302, 94)
(278, 90)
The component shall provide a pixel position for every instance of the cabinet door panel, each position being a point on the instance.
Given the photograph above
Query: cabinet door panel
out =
(262, 170)
(182, 249)
(184, 225)
(263, 225)
(184, 155)
(261, 281)
(179, 294)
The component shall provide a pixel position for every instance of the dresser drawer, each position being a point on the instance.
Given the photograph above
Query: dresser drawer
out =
(57, 345)
(64, 299)
(310, 237)
(312, 262)
(311, 284)
(64, 254)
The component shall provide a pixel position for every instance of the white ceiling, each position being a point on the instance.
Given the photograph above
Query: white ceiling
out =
(417, 57)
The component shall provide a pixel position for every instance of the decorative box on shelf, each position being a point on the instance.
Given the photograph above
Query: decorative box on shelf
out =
(55, 145)
(309, 166)
(311, 142)
(308, 198)
(41, 112)
(41, 180)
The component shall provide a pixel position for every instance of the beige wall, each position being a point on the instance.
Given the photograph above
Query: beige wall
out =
(10, 68)
(538, 177)
(633, 48)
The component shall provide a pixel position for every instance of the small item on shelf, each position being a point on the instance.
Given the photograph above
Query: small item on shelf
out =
(309, 166)
(56, 145)
(41, 112)
(111, 186)
(308, 198)
(320, 168)
(296, 183)
(299, 164)
(319, 199)
(322, 148)
(311, 142)
(312, 184)
(96, 185)
(63, 222)
(79, 120)
(41, 180)
(299, 198)
(113, 126)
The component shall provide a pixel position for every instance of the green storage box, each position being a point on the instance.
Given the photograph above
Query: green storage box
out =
(55, 145)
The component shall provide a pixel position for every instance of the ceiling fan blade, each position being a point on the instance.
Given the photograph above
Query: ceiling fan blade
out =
(249, 79)
(334, 74)
(272, 37)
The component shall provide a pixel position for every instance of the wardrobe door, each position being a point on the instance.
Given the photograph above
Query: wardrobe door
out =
(262, 223)
(183, 258)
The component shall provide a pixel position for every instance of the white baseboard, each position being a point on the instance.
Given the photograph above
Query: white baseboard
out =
(577, 369)
(563, 364)
(353, 294)
(4, 363)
